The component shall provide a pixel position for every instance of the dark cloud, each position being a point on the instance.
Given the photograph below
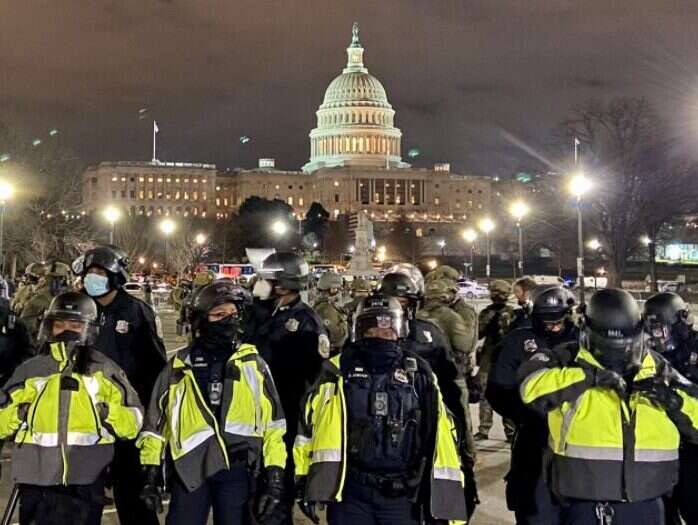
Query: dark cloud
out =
(456, 72)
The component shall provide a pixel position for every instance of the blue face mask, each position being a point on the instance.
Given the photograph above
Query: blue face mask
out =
(96, 285)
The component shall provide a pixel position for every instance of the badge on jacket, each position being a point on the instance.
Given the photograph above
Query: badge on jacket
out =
(401, 376)
(427, 336)
(323, 346)
(122, 327)
(530, 345)
(292, 325)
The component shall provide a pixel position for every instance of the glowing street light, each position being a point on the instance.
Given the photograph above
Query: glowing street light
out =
(200, 239)
(112, 215)
(442, 245)
(141, 260)
(594, 244)
(486, 225)
(6, 193)
(279, 228)
(519, 209)
(580, 185)
(381, 253)
(470, 236)
(167, 226)
(645, 239)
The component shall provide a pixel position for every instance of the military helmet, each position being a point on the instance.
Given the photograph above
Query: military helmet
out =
(330, 280)
(400, 285)
(359, 284)
(71, 306)
(500, 289)
(411, 271)
(203, 278)
(382, 311)
(287, 269)
(109, 258)
(443, 272)
(58, 269)
(612, 330)
(35, 270)
(666, 308)
(222, 291)
(438, 290)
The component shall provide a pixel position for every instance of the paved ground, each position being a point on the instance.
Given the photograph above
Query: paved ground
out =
(492, 464)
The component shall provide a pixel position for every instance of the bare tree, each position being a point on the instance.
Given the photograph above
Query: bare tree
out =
(640, 183)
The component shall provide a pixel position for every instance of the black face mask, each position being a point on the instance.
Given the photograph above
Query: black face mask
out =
(221, 335)
(378, 354)
(68, 336)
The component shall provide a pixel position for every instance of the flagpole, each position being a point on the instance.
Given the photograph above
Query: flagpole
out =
(576, 151)
(155, 127)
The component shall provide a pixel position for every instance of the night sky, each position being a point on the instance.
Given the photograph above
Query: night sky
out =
(469, 79)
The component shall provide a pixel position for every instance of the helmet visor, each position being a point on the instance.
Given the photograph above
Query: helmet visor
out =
(374, 325)
(57, 329)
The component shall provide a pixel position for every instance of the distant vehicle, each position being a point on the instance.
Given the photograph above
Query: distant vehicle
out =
(240, 273)
(548, 279)
(472, 290)
(135, 289)
(669, 286)
(591, 281)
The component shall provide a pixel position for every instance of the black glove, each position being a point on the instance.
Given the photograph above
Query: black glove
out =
(308, 508)
(662, 395)
(474, 388)
(272, 495)
(472, 499)
(151, 493)
(604, 378)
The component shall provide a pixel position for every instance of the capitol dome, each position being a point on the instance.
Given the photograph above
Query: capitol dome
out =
(355, 121)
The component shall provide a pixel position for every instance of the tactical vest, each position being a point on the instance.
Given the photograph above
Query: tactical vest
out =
(383, 420)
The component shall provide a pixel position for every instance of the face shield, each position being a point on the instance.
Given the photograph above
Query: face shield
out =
(622, 355)
(385, 325)
(55, 329)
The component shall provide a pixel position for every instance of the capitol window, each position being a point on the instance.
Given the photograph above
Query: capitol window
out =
(436, 201)
(169, 180)
(300, 201)
(141, 179)
(141, 194)
(114, 179)
(150, 194)
(159, 179)
(150, 179)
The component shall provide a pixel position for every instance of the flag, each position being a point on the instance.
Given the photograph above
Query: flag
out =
(155, 127)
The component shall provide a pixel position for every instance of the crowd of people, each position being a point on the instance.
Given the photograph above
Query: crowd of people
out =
(359, 406)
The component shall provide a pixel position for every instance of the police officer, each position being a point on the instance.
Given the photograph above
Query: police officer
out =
(375, 438)
(130, 335)
(15, 343)
(615, 414)
(291, 339)
(66, 408)
(551, 326)
(428, 341)
(215, 448)
(670, 326)
(53, 283)
(493, 324)
(359, 289)
(32, 274)
(328, 307)
(522, 290)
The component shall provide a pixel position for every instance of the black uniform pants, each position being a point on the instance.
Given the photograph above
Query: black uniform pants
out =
(364, 505)
(61, 505)
(686, 492)
(227, 492)
(127, 479)
(648, 512)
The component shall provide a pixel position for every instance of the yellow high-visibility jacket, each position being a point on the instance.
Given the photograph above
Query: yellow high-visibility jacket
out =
(179, 420)
(64, 423)
(320, 449)
(604, 447)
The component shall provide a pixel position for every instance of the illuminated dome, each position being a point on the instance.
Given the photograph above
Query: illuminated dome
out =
(355, 121)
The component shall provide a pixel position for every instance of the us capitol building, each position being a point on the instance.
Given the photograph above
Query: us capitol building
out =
(355, 165)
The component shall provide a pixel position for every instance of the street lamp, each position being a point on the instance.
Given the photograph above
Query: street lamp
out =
(167, 226)
(279, 228)
(200, 239)
(112, 215)
(486, 225)
(470, 235)
(6, 192)
(141, 260)
(579, 186)
(594, 245)
(442, 245)
(519, 209)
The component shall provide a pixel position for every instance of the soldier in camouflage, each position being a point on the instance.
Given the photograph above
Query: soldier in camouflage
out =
(494, 323)
(52, 284)
(33, 273)
(327, 306)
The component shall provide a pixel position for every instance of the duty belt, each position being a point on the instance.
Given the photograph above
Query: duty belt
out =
(392, 486)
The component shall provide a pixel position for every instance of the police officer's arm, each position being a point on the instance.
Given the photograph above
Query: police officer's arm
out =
(547, 381)
(502, 386)
(124, 417)
(153, 437)
(273, 447)
(150, 348)
(15, 397)
(302, 448)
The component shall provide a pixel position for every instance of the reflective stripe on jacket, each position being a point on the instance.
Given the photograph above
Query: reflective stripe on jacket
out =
(65, 423)
(604, 447)
(320, 448)
(179, 418)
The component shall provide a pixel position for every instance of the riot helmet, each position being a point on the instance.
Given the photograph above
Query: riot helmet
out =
(216, 294)
(110, 259)
(549, 307)
(404, 289)
(286, 270)
(377, 314)
(71, 318)
(57, 277)
(411, 271)
(612, 330)
(667, 320)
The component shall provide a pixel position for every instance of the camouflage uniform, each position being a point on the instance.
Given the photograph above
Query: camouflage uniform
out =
(55, 282)
(493, 324)
(33, 273)
(333, 316)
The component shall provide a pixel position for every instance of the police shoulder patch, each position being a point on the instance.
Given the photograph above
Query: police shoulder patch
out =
(540, 357)
(400, 376)
(530, 345)
(323, 346)
(427, 336)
